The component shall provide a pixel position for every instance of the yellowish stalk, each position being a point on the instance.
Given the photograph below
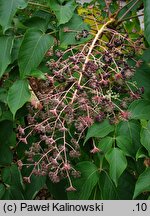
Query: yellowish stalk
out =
(100, 31)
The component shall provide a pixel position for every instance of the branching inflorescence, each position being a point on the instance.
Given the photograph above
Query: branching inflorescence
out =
(87, 83)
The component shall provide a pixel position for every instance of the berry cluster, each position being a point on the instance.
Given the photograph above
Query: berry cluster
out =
(87, 84)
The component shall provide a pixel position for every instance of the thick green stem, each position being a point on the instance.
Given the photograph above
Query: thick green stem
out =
(132, 17)
(37, 4)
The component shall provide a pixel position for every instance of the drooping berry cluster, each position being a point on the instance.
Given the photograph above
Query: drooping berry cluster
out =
(87, 84)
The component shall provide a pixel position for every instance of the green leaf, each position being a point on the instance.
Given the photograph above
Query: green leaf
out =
(147, 20)
(15, 49)
(107, 187)
(8, 9)
(75, 25)
(18, 24)
(63, 12)
(96, 193)
(12, 177)
(32, 50)
(99, 130)
(38, 22)
(143, 183)
(126, 186)
(6, 130)
(6, 44)
(143, 122)
(38, 74)
(7, 115)
(2, 190)
(140, 109)
(106, 143)
(34, 187)
(87, 181)
(6, 155)
(130, 7)
(11, 141)
(141, 153)
(44, 14)
(3, 95)
(117, 162)
(129, 131)
(57, 191)
(1, 112)
(125, 144)
(7, 195)
(61, 1)
(142, 74)
(133, 24)
(145, 137)
(145, 57)
(13, 193)
(18, 95)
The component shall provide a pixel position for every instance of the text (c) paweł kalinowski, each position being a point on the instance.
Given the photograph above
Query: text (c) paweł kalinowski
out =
(61, 207)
